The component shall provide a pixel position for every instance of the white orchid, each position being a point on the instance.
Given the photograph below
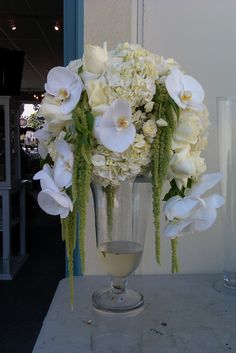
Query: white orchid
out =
(43, 136)
(51, 199)
(193, 213)
(114, 128)
(63, 89)
(63, 165)
(185, 90)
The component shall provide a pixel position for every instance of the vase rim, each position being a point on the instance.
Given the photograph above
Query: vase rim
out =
(226, 98)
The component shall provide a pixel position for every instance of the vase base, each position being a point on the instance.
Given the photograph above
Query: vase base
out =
(125, 301)
(223, 288)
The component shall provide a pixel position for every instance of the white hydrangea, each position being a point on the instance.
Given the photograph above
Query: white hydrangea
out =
(114, 168)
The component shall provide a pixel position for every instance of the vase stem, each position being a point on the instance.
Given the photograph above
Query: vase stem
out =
(118, 284)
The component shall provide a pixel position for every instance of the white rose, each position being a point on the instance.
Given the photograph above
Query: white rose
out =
(95, 58)
(199, 163)
(181, 167)
(96, 92)
(150, 128)
(187, 131)
(185, 164)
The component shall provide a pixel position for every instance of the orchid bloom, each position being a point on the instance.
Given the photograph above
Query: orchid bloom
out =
(114, 129)
(51, 199)
(63, 165)
(185, 90)
(43, 136)
(63, 89)
(193, 213)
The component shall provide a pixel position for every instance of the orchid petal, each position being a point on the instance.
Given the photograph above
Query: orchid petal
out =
(59, 77)
(75, 93)
(42, 150)
(174, 86)
(169, 206)
(197, 92)
(42, 134)
(54, 203)
(62, 176)
(203, 219)
(214, 201)
(205, 182)
(106, 131)
(117, 141)
(174, 229)
(63, 149)
(121, 108)
(177, 84)
(45, 177)
(183, 208)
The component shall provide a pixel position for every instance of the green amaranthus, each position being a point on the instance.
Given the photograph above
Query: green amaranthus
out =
(82, 172)
(166, 109)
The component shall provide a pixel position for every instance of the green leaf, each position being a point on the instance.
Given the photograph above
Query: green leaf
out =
(80, 69)
(174, 190)
(90, 120)
(190, 183)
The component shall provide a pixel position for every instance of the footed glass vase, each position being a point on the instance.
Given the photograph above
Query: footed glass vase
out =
(121, 222)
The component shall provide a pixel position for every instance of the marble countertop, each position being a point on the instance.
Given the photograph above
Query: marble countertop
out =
(182, 314)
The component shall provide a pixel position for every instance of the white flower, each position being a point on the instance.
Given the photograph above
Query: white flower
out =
(43, 136)
(51, 199)
(98, 160)
(185, 90)
(193, 213)
(74, 65)
(150, 128)
(63, 166)
(96, 93)
(64, 88)
(185, 164)
(114, 128)
(95, 58)
(187, 131)
(148, 107)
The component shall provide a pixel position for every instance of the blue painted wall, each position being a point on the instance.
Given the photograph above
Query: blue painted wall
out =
(73, 24)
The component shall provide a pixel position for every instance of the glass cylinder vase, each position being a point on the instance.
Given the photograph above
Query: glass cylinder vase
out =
(226, 111)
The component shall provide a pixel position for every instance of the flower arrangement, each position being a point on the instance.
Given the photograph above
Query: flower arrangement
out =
(112, 116)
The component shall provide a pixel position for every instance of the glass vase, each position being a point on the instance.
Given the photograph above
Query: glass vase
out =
(226, 109)
(121, 222)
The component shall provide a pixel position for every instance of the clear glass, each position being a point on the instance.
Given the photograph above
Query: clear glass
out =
(120, 235)
(226, 109)
(117, 332)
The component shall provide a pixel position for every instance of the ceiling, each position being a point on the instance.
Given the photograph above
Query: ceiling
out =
(35, 35)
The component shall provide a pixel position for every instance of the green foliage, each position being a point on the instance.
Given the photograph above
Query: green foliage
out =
(174, 257)
(110, 196)
(82, 172)
(81, 178)
(174, 190)
(166, 109)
